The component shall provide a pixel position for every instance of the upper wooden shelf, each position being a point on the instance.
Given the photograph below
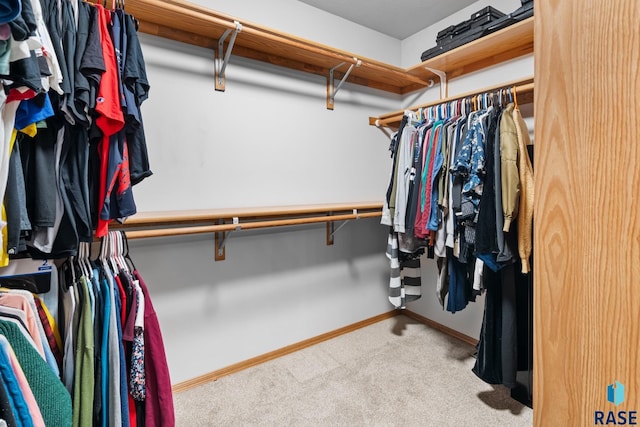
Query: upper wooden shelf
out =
(190, 23)
(197, 25)
(510, 42)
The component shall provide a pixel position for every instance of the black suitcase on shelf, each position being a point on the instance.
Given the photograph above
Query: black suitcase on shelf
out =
(481, 23)
(520, 14)
(475, 24)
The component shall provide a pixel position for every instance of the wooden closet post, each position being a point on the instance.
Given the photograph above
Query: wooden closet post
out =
(587, 210)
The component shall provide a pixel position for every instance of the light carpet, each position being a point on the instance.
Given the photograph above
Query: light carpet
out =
(397, 372)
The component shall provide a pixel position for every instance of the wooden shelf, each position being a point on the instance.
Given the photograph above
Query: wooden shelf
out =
(198, 216)
(193, 24)
(221, 222)
(190, 23)
(509, 43)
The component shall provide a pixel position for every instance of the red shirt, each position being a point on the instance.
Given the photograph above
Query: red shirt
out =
(110, 118)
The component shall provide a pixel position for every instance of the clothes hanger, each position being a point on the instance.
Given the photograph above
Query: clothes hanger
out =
(87, 258)
(515, 98)
(79, 263)
(72, 268)
(125, 242)
(111, 256)
(108, 260)
(118, 251)
(123, 262)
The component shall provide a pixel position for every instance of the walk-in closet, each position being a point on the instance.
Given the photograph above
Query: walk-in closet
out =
(310, 213)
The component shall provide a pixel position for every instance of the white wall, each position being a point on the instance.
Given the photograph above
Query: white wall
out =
(267, 141)
(276, 288)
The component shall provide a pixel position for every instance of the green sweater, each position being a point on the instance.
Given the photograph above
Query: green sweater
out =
(52, 397)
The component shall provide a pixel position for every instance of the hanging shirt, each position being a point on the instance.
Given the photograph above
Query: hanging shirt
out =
(470, 161)
(52, 397)
(114, 404)
(403, 177)
(104, 353)
(9, 378)
(69, 305)
(51, 331)
(7, 407)
(136, 91)
(509, 167)
(7, 137)
(525, 209)
(438, 160)
(48, 353)
(30, 400)
(137, 382)
(110, 119)
(159, 401)
(20, 302)
(427, 179)
(84, 366)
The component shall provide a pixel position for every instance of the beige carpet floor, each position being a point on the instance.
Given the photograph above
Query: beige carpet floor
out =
(394, 373)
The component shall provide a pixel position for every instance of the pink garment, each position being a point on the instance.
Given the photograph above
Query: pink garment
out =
(29, 398)
(159, 401)
(20, 302)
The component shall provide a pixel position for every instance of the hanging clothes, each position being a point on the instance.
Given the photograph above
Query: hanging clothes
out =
(52, 398)
(455, 192)
(112, 367)
(72, 117)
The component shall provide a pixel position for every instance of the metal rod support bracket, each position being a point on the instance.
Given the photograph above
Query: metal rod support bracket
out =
(444, 84)
(383, 129)
(222, 57)
(332, 90)
(221, 239)
(332, 229)
(339, 227)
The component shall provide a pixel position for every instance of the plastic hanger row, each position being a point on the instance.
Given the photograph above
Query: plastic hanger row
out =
(114, 252)
(463, 106)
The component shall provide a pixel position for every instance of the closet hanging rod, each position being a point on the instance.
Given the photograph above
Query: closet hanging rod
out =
(179, 231)
(522, 87)
(145, 219)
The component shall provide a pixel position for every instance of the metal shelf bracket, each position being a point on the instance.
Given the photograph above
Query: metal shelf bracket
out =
(383, 129)
(444, 84)
(332, 229)
(332, 90)
(221, 239)
(222, 57)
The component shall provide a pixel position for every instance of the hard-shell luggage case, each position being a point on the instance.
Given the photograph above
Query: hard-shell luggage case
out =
(483, 22)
